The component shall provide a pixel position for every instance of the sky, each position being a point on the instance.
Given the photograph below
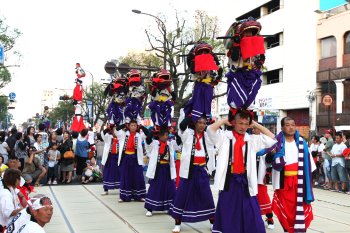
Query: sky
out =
(56, 34)
(328, 4)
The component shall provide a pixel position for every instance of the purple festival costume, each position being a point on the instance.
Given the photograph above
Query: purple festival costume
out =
(231, 219)
(111, 176)
(200, 103)
(161, 191)
(132, 183)
(161, 112)
(193, 199)
(242, 87)
(115, 113)
(133, 108)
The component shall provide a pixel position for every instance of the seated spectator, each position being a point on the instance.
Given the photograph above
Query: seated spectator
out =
(91, 172)
(53, 157)
(3, 166)
(33, 169)
(9, 201)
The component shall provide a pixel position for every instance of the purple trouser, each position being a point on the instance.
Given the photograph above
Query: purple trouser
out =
(161, 112)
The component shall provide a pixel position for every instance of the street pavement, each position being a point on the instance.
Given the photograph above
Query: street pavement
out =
(81, 209)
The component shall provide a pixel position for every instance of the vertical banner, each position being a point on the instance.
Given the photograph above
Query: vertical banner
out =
(89, 107)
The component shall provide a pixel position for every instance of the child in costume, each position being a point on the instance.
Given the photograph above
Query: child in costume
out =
(161, 171)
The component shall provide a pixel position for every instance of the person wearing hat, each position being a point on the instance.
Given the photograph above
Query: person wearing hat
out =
(327, 159)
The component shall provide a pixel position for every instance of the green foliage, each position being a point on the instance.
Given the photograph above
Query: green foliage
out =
(8, 39)
(63, 112)
(99, 101)
(3, 109)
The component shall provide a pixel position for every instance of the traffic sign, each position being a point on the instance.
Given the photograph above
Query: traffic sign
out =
(12, 96)
(327, 100)
(2, 54)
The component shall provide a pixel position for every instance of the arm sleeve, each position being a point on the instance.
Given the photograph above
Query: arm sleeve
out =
(6, 205)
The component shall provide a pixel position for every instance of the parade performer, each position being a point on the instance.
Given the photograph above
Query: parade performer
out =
(246, 58)
(130, 161)
(117, 90)
(111, 176)
(292, 179)
(45, 117)
(237, 210)
(203, 64)
(263, 178)
(162, 99)
(193, 199)
(78, 122)
(161, 171)
(136, 94)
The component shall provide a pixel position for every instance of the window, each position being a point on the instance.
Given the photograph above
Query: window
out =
(274, 40)
(328, 47)
(272, 76)
(347, 43)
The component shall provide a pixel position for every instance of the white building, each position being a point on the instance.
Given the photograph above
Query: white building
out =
(290, 60)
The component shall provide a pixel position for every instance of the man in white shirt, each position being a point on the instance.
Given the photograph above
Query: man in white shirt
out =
(338, 171)
(236, 173)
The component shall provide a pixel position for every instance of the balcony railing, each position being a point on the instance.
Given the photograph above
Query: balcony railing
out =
(333, 74)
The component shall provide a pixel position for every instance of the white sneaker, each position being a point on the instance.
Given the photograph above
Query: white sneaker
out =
(316, 183)
(120, 200)
(49, 182)
(271, 226)
(54, 182)
(104, 193)
(177, 229)
(149, 214)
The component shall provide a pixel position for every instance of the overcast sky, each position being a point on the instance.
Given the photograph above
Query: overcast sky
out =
(57, 34)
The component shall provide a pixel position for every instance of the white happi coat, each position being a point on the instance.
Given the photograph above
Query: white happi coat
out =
(107, 138)
(153, 151)
(262, 169)
(121, 135)
(255, 144)
(187, 142)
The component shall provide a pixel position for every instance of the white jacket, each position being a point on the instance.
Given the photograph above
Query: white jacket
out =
(152, 152)
(187, 141)
(121, 135)
(222, 142)
(262, 169)
(107, 138)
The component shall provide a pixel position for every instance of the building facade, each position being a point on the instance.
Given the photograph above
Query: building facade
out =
(333, 71)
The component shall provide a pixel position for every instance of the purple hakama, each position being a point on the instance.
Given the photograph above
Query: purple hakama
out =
(200, 103)
(242, 87)
(111, 177)
(193, 199)
(161, 112)
(133, 108)
(236, 210)
(115, 113)
(132, 183)
(161, 191)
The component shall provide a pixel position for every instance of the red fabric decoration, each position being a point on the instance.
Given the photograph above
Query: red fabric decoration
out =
(162, 146)
(238, 162)
(251, 46)
(130, 146)
(198, 138)
(204, 62)
(78, 124)
(78, 93)
(114, 145)
(346, 152)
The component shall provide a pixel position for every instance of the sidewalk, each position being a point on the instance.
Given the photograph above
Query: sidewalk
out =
(84, 210)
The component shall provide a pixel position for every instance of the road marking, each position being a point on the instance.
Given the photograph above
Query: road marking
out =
(62, 211)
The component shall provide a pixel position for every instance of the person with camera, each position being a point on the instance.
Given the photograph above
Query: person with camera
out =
(33, 169)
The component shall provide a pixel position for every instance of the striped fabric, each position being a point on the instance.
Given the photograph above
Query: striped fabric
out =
(299, 225)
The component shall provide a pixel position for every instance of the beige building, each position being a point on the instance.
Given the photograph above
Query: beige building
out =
(333, 75)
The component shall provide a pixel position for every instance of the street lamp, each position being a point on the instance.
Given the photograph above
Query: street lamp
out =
(92, 94)
(164, 34)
